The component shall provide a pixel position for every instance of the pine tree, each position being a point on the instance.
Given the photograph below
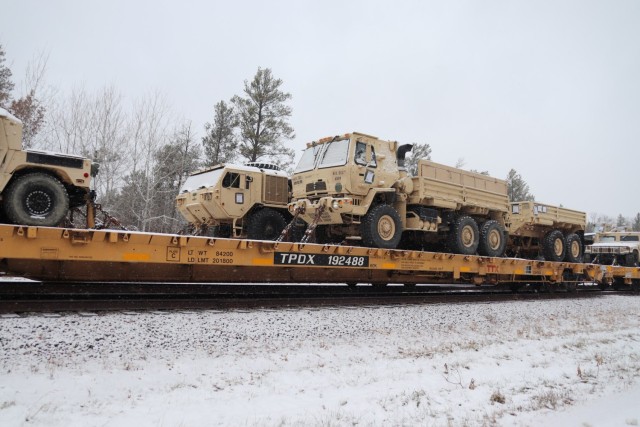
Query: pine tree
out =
(6, 85)
(263, 118)
(220, 142)
(517, 188)
(621, 221)
(636, 222)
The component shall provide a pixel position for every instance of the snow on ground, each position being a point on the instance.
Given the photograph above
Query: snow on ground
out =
(515, 363)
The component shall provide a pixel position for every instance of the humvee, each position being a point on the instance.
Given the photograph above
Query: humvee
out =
(614, 248)
(242, 201)
(37, 187)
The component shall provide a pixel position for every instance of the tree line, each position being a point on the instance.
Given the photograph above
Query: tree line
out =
(146, 151)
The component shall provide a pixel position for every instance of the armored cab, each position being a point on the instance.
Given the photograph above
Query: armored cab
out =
(245, 201)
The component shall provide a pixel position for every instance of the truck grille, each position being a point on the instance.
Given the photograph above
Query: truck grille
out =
(316, 186)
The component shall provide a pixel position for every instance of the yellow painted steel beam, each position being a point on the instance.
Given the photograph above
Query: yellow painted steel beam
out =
(113, 255)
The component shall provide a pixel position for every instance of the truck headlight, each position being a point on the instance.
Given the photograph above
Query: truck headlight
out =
(335, 204)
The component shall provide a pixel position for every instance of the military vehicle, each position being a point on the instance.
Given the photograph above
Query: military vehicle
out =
(555, 233)
(615, 248)
(241, 201)
(36, 187)
(355, 186)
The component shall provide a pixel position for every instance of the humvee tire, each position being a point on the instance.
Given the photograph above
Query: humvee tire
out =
(492, 239)
(36, 199)
(464, 236)
(265, 224)
(381, 227)
(554, 247)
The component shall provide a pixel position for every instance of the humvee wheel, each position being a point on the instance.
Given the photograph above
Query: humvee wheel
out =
(36, 199)
(574, 248)
(381, 227)
(631, 260)
(553, 246)
(265, 224)
(464, 236)
(492, 239)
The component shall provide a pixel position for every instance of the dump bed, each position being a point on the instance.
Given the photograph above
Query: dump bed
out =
(447, 187)
(536, 213)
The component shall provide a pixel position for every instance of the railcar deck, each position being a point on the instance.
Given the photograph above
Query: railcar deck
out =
(62, 254)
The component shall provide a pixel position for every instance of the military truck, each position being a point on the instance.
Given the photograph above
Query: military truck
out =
(241, 201)
(355, 186)
(537, 229)
(37, 187)
(615, 248)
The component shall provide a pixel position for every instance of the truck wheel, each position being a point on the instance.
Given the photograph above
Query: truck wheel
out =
(631, 260)
(574, 248)
(36, 199)
(553, 246)
(464, 236)
(265, 224)
(492, 239)
(381, 227)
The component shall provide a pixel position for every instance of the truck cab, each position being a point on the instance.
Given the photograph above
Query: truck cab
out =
(339, 179)
(236, 201)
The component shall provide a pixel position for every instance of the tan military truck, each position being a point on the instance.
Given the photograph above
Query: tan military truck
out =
(555, 233)
(243, 201)
(355, 186)
(37, 187)
(615, 248)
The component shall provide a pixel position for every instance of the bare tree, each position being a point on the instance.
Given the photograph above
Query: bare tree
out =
(263, 117)
(220, 142)
(149, 133)
(30, 108)
(6, 84)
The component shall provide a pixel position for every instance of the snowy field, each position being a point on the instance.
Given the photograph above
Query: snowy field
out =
(518, 363)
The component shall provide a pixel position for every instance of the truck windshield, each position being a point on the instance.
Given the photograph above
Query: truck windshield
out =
(608, 238)
(202, 180)
(335, 154)
(629, 238)
(308, 159)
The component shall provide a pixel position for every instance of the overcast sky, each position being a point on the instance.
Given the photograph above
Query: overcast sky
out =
(550, 88)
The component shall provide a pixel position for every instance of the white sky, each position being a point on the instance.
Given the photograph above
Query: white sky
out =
(550, 88)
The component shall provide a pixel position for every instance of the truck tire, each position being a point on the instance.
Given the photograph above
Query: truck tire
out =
(631, 260)
(464, 236)
(553, 246)
(381, 227)
(36, 199)
(492, 239)
(574, 248)
(265, 224)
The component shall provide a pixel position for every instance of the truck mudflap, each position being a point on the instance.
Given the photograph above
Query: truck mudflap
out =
(56, 254)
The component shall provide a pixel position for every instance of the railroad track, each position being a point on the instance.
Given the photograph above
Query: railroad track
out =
(27, 297)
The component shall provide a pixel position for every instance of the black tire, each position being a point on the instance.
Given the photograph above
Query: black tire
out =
(631, 260)
(265, 224)
(554, 247)
(36, 199)
(574, 248)
(492, 239)
(381, 227)
(464, 236)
